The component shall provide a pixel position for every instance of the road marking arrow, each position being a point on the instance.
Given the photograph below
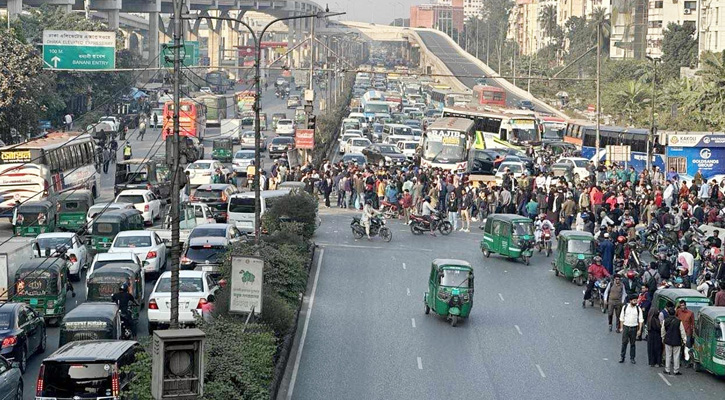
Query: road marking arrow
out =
(55, 60)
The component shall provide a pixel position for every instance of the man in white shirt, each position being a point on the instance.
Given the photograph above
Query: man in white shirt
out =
(68, 119)
(630, 321)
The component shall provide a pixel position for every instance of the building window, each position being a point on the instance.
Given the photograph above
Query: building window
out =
(655, 24)
(658, 4)
(691, 5)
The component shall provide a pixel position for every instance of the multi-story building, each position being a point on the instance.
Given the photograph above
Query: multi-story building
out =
(663, 12)
(444, 17)
(712, 26)
(524, 26)
(472, 8)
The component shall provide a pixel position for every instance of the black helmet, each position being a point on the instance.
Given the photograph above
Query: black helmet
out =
(123, 287)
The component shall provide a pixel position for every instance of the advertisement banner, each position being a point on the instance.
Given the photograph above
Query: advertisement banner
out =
(246, 285)
(305, 139)
(687, 160)
(696, 140)
(246, 51)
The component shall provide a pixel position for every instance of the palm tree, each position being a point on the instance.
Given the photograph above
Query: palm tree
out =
(600, 18)
(632, 98)
(547, 20)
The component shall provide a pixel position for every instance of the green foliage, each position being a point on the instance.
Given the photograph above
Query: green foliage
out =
(679, 49)
(140, 386)
(297, 206)
(278, 313)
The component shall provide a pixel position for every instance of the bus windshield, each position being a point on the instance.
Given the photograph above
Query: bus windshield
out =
(445, 147)
(525, 134)
(377, 108)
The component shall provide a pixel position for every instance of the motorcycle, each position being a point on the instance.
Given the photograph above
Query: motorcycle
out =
(390, 210)
(420, 225)
(544, 243)
(598, 290)
(127, 325)
(377, 228)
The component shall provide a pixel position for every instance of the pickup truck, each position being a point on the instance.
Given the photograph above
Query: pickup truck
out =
(191, 216)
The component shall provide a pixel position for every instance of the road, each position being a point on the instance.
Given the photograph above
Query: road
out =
(367, 337)
(270, 105)
(459, 65)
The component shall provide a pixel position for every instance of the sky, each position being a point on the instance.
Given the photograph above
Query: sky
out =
(377, 11)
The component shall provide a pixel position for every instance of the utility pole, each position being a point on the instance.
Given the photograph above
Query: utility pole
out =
(650, 136)
(178, 5)
(599, 68)
(312, 74)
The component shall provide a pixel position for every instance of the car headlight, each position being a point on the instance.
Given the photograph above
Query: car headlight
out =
(387, 158)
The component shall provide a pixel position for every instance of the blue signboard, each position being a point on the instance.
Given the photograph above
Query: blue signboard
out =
(687, 160)
(637, 160)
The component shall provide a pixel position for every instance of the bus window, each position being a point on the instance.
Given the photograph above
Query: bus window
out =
(504, 134)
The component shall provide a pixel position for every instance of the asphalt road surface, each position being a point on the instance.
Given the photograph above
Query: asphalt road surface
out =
(459, 65)
(366, 335)
(270, 105)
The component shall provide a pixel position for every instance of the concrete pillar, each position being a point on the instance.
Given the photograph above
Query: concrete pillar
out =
(15, 7)
(153, 39)
(113, 18)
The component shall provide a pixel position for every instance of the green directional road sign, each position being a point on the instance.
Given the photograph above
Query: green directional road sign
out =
(189, 54)
(79, 50)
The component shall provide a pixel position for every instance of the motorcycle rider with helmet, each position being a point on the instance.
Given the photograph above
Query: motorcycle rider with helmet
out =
(542, 225)
(595, 272)
(123, 298)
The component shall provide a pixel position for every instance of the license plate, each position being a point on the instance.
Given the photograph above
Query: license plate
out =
(207, 268)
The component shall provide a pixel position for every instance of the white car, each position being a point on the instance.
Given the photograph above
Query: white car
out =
(194, 290)
(144, 201)
(112, 121)
(407, 147)
(580, 167)
(201, 172)
(356, 145)
(146, 245)
(206, 89)
(101, 259)
(98, 208)
(517, 167)
(241, 160)
(246, 140)
(285, 127)
(76, 250)
(346, 137)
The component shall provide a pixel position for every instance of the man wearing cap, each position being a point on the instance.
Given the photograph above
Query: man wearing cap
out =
(630, 322)
(673, 335)
(606, 248)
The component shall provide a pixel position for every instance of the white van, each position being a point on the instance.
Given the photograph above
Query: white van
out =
(240, 208)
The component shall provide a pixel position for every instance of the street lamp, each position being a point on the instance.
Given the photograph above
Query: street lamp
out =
(258, 98)
(652, 127)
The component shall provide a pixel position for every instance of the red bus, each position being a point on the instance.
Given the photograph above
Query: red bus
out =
(489, 95)
(192, 119)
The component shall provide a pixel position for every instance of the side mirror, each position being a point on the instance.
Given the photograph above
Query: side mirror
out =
(15, 364)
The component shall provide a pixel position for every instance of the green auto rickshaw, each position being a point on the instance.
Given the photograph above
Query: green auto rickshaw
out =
(91, 321)
(107, 225)
(450, 289)
(276, 117)
(43, 284)
(73, 207)
(574, 253)
(510, 235)
(695, 300)
(709, 341)
(34, 217)
(106, 281)
(222, 150)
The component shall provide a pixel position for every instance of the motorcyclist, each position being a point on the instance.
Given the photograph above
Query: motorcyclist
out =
(368, 213)
(123, 298)
(542, 225)
(427, 212)
(595, 272)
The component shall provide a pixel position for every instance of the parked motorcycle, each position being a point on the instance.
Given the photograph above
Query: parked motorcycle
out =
(377, 228)
(419, 225)
(390, 210)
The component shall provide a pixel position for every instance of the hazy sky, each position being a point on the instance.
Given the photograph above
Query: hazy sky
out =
(378, 11)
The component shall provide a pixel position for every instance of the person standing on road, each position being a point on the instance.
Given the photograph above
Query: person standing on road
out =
(106, 159)
(68, 122)
(688, 322)
(654, 339)
(127, 153)
(613, 298)
(630, 321)
(155, 120)
(673, 335)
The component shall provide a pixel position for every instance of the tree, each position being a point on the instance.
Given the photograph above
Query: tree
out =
(679, 48)
(631, 99)
(547, 20)
(600, 18)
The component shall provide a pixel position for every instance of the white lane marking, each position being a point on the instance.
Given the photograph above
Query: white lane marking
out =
(408, 290)
(412, 321)
(664, 379)
(304, 329)
(541, 371)
(605, 359)
(518, 329)
(500, 296)
(403, 265)
(420, 363)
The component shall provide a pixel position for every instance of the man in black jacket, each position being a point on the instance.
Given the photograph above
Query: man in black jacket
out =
(673, 335)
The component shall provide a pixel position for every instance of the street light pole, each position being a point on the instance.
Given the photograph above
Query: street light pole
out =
(599, 69)
(652, 127)
(174, 317)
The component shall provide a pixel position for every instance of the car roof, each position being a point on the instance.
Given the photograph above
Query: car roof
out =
(134, 191)
(508, 217)
(56, 235)
(188, 274)
(350, 155)
(216, 225)
(134, 233)
(212, 240)
(678, 293)
(115, 256)
(576, 234)
(9, 308)
(214, 186)
(574, 158)
(91, 351)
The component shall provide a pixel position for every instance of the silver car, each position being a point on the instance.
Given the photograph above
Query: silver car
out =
(241, 160)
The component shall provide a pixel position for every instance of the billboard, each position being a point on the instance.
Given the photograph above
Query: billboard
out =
(687, 160)
(246, 285)
(305, 139)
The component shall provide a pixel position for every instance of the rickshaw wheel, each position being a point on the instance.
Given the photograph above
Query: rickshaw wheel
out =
(579, 281)
(556, 272)
(486, 253)
(696, 366)
(454, 320)
(427, 309)
(526, 260)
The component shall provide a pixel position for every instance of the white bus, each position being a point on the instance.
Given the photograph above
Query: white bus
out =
(446, 143)
(42, 168)
(499, 128)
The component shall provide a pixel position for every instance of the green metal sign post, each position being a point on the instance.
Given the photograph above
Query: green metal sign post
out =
(79, 50)
(189, 54)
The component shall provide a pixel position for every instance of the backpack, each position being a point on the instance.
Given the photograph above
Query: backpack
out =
(652, 281)
(710, 289)
(639, 311)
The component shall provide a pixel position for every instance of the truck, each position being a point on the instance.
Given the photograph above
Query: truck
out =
(13, 253)
(191, 215)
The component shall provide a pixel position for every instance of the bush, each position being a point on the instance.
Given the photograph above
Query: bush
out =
(277, 313)
(297, 206)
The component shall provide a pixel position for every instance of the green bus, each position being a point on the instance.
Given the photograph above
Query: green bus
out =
(216, 108)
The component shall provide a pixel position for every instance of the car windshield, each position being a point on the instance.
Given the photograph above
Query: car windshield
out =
(284, 122)
(523, 228)
(187, 284)
(360, 142)
(279, 140)
(387, 149)
(6, 319)
(53, 242)
(455, 278)
(525, 135)
(201, 231)
(580, 246)
(244, 155)
(132, 241)
(515, 168)
(130, 198)
(76, 380)
(355, 159)
(206, 253)
(580, 163)
(198, 165)
(208, 194)
(243, 205)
